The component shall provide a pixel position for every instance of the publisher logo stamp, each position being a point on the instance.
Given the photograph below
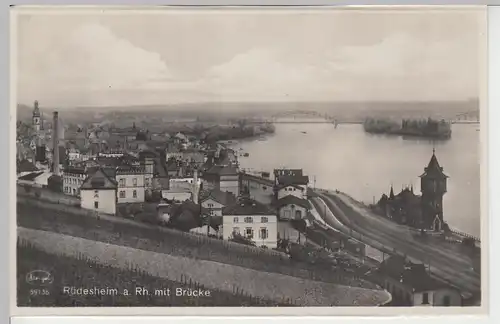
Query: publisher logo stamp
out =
(39, 278)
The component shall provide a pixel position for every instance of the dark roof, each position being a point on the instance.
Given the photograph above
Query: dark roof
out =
(247, 206)
(160, 169)
(293, 200)
(224, 198)
(26, 166)
(172, 165)
(129, 169)
(293, 179)
(74, 170)
(287, 172)
(223, 170)
(433, 169)
(281, 186)
(246, 176)
(31, 176)
(99, 179)
(410, 274)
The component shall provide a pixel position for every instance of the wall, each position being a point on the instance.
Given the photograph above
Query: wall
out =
(292, 191)
(72, 183)
(271, 286)
(262, 192)
(214, 207)
(288, 212)
(286, 231)
(128, 188)
(105, 198)
(231, 184)
(454, 295)
(436, 298)
(256, 225)
(176, 195)
(47, 195)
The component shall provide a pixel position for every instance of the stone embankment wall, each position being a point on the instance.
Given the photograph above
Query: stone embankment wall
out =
(211, 274)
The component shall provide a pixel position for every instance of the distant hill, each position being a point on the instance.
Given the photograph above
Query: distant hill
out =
(341, 110)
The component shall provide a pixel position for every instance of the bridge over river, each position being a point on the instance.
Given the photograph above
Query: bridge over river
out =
(315, 117)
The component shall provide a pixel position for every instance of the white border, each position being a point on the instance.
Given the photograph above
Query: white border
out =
(287, 311)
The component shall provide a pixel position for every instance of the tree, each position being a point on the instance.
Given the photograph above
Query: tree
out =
(238, 238)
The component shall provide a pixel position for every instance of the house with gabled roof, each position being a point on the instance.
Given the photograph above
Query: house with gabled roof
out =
(291, 207)
(251, 219)
(98, 191)
(215, 201)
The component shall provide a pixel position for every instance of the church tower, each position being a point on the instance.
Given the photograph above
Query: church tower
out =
(433, 187)
(36, 118)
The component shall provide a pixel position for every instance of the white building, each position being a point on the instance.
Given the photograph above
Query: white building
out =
(215, 201)
(98, 192)
(292, 207)
(74, 155)
(411, 285)
(36, 179)
(182, 189)
(148, 173)
(252, 220)
(299, 191)
(223, 178)
(72, 180)
(130, 180)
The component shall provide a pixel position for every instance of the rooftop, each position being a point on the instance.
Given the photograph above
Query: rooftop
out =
(99, 179)
(293, 180)
(293, 200)
(224, 198)
(410, 274)
(247, 206)
(31, 176)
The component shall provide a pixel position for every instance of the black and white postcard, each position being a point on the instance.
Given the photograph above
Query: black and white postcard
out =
(248, 160)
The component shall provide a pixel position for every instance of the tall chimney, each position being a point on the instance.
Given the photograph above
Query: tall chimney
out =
(195, 186)
(55, 141)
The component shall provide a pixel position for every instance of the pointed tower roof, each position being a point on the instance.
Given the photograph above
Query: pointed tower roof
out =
(433, 169)
(36, 110)
(391, 194)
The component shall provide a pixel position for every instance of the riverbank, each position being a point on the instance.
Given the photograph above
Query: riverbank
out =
(365, 165)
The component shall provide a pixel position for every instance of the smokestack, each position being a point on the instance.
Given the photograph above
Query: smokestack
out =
(55, 141)
(195, 186)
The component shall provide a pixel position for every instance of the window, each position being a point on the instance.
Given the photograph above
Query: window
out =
(249, 232)
(122, 183)
(446, 300)
(96, 204)
(425, 298)
(134, 194)
(263, 233)
(212, 213)
(235, 220)
(122, 194)
(210, 205)
(248, 220)
(264, 219)
(134, 182)
(298, 214)
(236, 230)
(96, 193)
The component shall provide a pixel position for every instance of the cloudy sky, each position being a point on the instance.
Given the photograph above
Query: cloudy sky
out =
(121, 58)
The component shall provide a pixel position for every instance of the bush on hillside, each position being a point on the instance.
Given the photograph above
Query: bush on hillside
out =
(238, 238)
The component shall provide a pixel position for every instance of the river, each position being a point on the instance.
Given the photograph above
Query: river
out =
(364, 166)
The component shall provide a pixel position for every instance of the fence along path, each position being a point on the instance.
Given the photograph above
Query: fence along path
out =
(211, 274)
(172, 232)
